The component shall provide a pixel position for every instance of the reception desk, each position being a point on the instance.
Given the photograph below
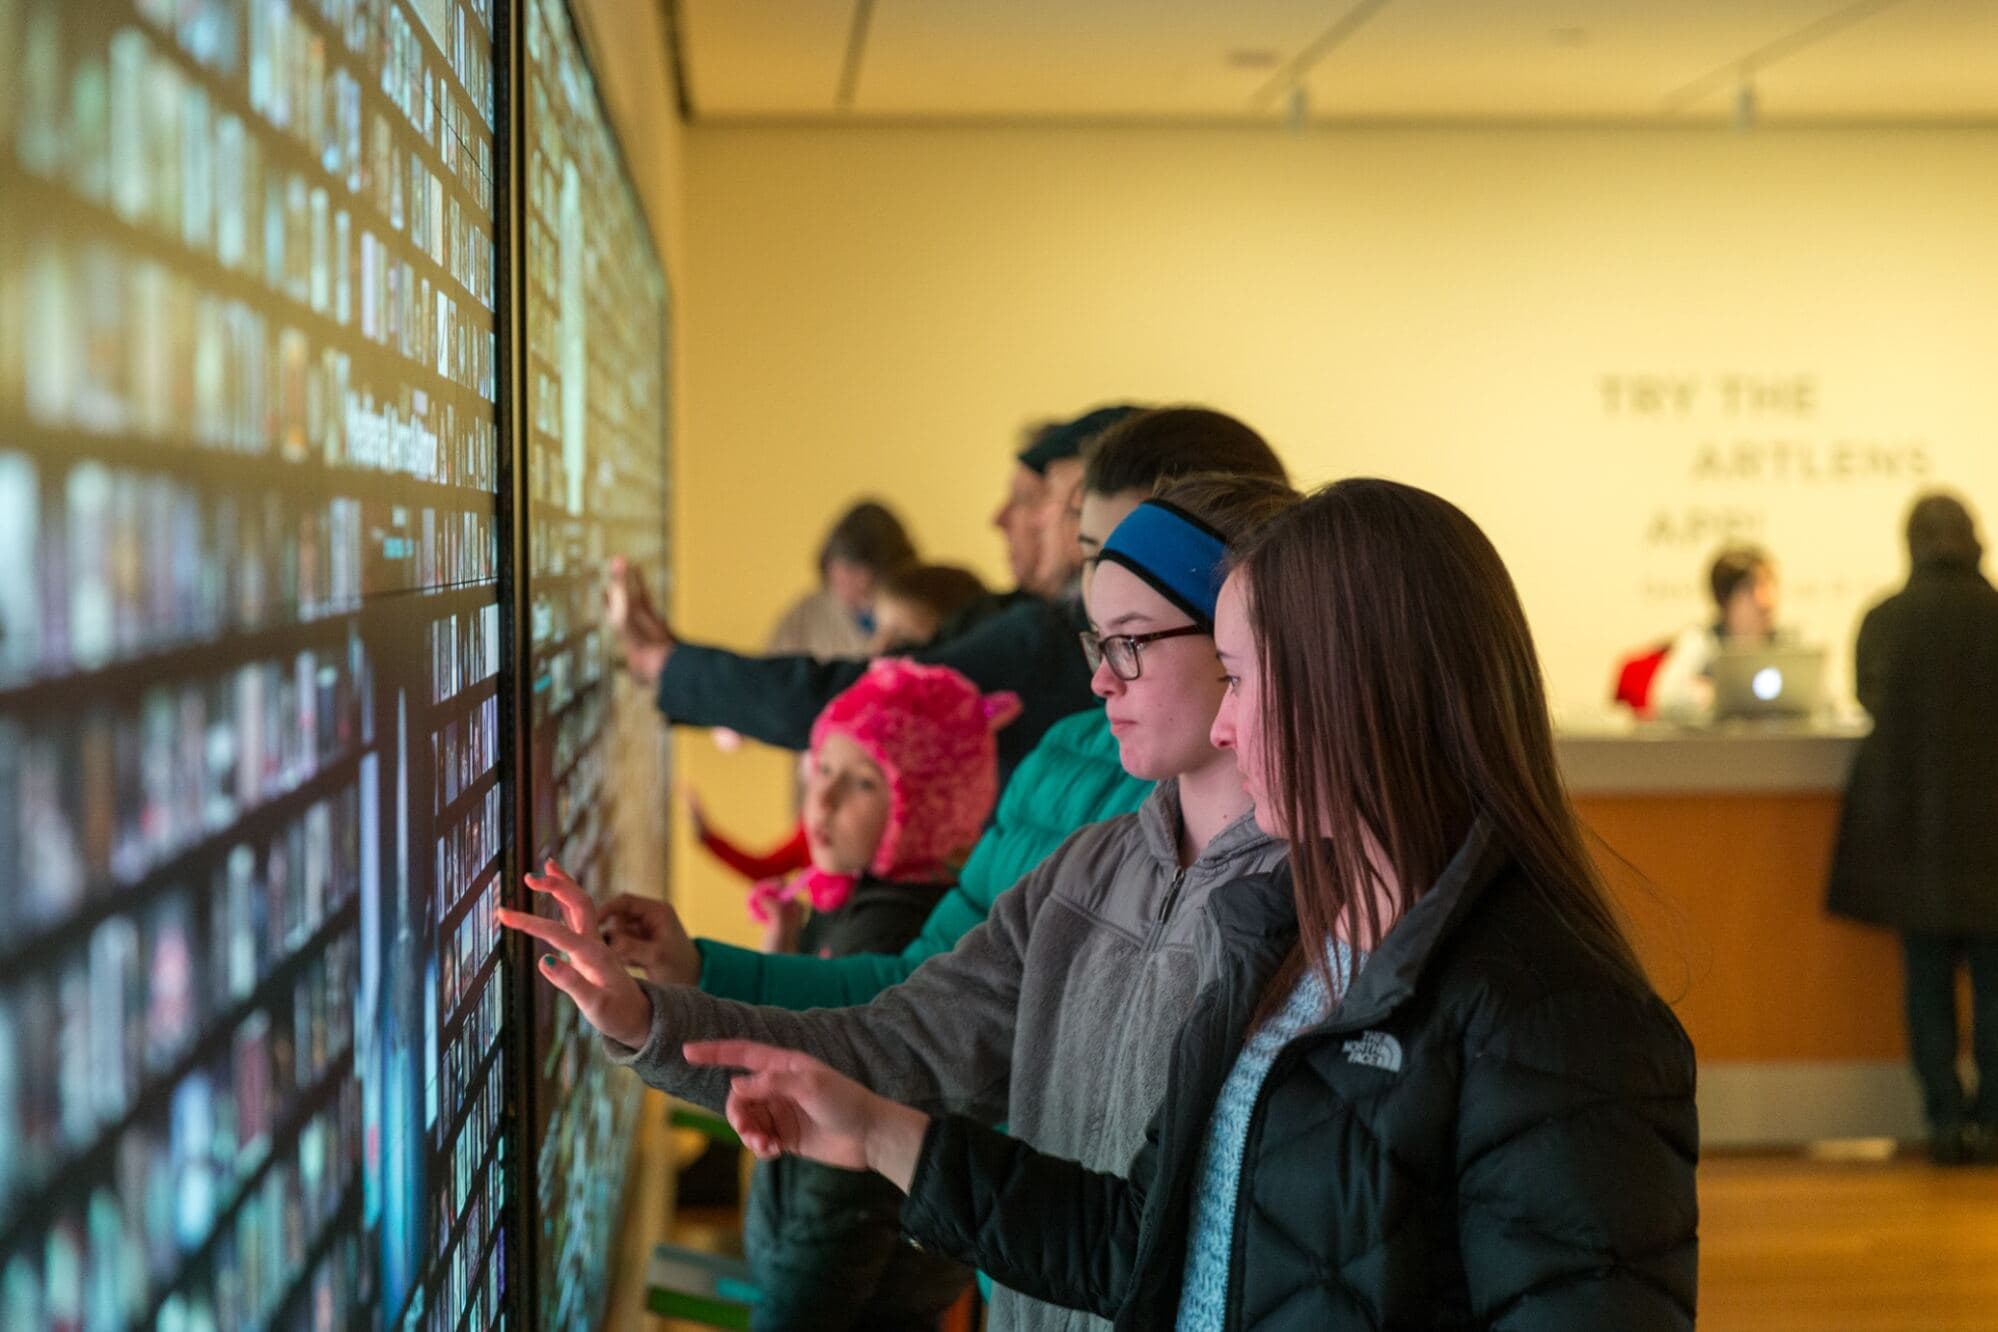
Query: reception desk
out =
(1718, 842)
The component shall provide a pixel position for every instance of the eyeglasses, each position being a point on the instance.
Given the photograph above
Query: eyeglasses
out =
(1121, 650)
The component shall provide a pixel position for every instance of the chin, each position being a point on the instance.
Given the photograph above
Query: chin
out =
(1141, 765)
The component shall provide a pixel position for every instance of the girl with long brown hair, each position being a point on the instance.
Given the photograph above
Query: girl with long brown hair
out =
(1431, 1086)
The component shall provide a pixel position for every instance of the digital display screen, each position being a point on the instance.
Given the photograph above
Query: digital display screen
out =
(596, 432)
(255, 1058)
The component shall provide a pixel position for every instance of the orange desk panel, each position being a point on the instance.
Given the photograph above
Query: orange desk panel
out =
(1735, 932)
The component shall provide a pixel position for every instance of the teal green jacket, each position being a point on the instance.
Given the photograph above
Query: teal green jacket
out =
(1071, 778)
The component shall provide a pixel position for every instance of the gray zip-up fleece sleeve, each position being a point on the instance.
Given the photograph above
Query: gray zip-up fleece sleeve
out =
(941, 1040)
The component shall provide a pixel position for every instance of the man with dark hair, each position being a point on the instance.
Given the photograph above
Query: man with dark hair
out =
(1918, 841)
(1028, 647)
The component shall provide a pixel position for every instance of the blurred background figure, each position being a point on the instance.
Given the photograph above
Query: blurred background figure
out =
(1918, 843)
(923, 604)
(915, 607)
(1676, 679)
(866, 545)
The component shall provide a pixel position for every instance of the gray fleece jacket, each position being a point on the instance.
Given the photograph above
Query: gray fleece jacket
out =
(1055, 1016)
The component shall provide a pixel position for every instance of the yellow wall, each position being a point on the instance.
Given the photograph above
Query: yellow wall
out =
(880, 309)
(628, 49)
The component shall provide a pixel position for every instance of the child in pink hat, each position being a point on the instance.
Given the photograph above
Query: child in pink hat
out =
(900, 778)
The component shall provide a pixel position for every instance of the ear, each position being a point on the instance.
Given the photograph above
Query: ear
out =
(1000, 709)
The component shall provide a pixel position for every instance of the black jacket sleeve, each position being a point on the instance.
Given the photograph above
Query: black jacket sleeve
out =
(1039, 1224)
(1029, 648)
(772, 699)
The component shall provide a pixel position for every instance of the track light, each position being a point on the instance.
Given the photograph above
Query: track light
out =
(1744, 107)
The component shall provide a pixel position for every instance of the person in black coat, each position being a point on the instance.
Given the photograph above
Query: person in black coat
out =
(1918, 840)
(1024, 644)
(1430, 1086)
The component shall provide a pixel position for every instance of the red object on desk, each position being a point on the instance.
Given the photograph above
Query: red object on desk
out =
(1634, 675)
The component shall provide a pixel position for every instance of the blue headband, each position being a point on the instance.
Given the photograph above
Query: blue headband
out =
(1173, 551)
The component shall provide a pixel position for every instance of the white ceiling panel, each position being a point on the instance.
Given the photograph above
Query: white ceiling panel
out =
(1543, 59)
(1922, 60)
(1648, 61)
(1032, 58)
(763, 57)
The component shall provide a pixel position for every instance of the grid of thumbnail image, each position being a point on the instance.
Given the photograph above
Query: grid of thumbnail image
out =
(596, 431)
(250, 816)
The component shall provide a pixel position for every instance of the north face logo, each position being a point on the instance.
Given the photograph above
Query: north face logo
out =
(1375, 1049)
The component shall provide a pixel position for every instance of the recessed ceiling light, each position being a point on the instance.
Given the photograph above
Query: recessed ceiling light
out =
(1260, 57)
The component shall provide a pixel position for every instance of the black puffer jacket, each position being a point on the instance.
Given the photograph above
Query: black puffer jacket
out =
(1918, 840)
(1490, 1132)
(825, 1244)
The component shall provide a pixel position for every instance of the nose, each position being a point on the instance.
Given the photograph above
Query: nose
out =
(1221, 734)
(1104, 682)
(820, 799)
(1002, 515)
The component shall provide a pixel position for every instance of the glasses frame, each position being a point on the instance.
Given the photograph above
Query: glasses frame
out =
(1095, 647)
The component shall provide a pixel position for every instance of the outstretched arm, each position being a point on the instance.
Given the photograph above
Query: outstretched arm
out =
(941, 1040)
(1040, 1224)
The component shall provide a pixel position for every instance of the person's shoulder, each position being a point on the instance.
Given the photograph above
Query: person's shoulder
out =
(1517, 960)
(1073, 774)
(1094, 849)
(1693, 639)
(1081, 736)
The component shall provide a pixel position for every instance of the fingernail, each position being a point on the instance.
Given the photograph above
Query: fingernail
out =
(549, 959)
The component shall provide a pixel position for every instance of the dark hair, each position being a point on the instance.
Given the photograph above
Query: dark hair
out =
(1401, 700)
(1941, 531)
(1731, 568)
(1234, 505)
(1062, 440)
(945, 590)
(1147, 448)
(869, 535)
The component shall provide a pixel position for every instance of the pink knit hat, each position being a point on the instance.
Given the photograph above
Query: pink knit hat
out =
(930, 732)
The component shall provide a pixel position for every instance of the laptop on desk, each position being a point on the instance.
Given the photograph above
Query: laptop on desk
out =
(1774, 680)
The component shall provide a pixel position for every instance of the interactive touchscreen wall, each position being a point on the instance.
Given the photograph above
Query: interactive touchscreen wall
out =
(595, 428)
(262, 1058)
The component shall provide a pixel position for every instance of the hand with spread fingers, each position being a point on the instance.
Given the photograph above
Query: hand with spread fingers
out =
(646, 933)
(785, 1101)
(591, 973)
(641, 630)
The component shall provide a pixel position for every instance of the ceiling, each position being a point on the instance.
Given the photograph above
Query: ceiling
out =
(1341, 61)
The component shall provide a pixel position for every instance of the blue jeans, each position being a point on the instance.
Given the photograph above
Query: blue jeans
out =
(1929, 963)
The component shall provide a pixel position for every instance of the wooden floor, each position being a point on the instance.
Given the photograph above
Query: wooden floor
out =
(1786, 1245)
(1789, 1245)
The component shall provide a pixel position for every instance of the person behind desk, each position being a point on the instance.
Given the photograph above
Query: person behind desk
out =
(1743, 580)
(1918, 841)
